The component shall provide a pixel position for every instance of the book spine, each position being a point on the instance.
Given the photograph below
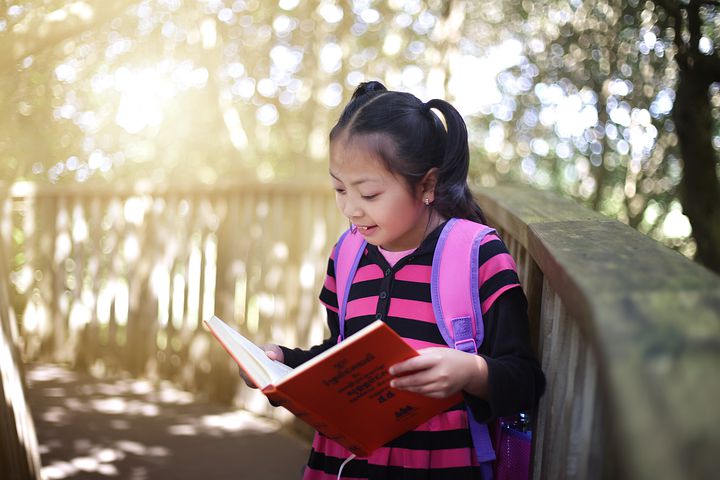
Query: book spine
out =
(312, 418)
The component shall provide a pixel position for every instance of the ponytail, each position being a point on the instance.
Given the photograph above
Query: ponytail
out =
(453, 197)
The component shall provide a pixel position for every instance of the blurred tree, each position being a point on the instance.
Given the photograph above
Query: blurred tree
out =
(167, 91)
(568, 95)
(585, 106)
(694, 27)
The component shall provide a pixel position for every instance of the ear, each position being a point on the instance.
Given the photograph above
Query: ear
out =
(427, 185)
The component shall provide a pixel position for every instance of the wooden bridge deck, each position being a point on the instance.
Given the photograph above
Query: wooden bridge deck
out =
(92, 429)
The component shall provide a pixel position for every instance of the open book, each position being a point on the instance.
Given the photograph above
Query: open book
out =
(345, 391)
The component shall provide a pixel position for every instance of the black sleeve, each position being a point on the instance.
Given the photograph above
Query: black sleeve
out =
(328, 297)
(515, 379)
(298, 356)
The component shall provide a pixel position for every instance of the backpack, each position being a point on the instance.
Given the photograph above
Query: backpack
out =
(454, 291)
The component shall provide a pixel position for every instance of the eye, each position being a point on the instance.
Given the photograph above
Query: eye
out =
(340, 191)
(369, 197)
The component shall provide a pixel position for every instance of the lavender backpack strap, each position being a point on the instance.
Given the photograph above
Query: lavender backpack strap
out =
(348, 252)
(455, 291)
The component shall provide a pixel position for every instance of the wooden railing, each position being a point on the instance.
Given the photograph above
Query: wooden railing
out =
(19, 454)
(120, 278)
(629, 336)
(627, 330)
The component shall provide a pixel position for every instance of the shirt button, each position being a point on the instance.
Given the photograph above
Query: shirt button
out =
(383, 294)
(388, 272)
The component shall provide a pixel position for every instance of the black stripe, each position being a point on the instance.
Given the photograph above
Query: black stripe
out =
(416, 330)
(355, 324)
(490, 249)
(328, 464)
(367, 288)
(399, 473)
(328, 297)
(422, 260)
(433, 439)
(419, 291)
(496, 282)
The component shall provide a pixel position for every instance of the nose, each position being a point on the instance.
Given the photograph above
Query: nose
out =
(350, 208)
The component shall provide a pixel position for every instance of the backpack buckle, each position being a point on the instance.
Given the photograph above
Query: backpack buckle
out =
(468, 345)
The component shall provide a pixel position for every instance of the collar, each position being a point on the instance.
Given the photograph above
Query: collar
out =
(427, 247)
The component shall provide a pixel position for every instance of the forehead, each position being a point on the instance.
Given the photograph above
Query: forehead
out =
(356, 157)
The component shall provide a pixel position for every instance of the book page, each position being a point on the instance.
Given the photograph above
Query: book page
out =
(251, 358)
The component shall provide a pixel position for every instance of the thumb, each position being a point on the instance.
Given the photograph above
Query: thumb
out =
(271, 354)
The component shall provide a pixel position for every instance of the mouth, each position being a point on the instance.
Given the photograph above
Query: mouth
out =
(366, 229)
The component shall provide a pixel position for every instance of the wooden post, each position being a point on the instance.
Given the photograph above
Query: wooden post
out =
(19, 457)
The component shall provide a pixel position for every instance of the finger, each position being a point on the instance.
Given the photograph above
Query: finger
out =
(246, 379)
(428, 390)
(411, 365)
(271, 355)
(415, 380)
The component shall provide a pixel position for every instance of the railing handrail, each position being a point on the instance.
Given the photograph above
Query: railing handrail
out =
(651, 317)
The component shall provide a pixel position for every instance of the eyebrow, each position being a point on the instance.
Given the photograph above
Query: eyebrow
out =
(356, 182)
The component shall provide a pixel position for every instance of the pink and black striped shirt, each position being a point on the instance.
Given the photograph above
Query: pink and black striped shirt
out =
(400, 296)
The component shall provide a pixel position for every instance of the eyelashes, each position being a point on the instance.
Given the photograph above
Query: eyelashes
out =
(341, 191)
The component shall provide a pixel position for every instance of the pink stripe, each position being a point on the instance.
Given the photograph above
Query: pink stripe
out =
(491, 299)
(498, 263)
(414, 273)
(415, 309)
(418, 344)
(452, 420)
(361, 306)
(368, 272)
(490, 237)
(330, 284)
(329, 447)
(422, 459)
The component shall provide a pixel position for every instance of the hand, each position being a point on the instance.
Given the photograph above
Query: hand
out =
(441, 372)
(273, 352)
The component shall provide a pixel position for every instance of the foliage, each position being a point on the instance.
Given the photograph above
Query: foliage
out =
(586, 110)
(566, 95)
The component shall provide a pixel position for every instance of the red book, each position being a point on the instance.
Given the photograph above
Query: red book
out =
(345, 391)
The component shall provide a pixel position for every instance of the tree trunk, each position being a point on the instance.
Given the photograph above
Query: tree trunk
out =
(699, 191)
(692, 113)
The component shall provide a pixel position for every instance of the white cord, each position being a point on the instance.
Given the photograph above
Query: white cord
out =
(343, 465)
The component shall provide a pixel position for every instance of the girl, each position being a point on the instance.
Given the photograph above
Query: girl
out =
(399, 174)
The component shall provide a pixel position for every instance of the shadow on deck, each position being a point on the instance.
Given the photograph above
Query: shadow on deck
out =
(91, 429)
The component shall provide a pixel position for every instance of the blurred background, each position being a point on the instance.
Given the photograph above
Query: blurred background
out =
(162, 160)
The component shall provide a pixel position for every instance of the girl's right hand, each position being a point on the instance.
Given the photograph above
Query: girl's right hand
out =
(273, 352)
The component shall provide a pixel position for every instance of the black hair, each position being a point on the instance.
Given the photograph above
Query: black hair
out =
(411, 139)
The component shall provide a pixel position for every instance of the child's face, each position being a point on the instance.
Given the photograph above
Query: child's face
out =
(382, 206)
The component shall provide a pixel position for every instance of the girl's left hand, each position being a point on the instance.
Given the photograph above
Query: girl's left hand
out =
(441, 372)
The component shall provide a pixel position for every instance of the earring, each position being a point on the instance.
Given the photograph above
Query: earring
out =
(427, 201)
